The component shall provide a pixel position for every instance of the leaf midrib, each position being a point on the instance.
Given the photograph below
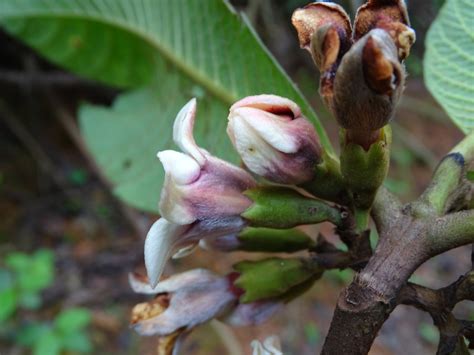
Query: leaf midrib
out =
(217, 91)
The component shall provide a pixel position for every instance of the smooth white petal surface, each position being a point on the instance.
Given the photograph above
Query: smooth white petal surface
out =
(256, 153)
(183, 132)
(272, 128)
(181, 167)
(159, 243)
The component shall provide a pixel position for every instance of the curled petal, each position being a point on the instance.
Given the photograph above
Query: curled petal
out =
(181, 167)
(270, 103)
(310, 18)
(180, 170)
(159, 243)
(183, 132)
(140, 284)
(389, 15)
(194, 298)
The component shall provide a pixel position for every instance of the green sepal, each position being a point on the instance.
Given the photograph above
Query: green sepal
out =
(327, 182)
(364, 171)
(274, 240)
(272, 277)
(281, 207)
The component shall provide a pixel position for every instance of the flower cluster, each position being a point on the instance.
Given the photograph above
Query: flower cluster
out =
(208, 202)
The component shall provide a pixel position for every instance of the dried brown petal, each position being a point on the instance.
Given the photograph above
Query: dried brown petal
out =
(147, 310)
(317, 25)
(378, 69)
(389, 15)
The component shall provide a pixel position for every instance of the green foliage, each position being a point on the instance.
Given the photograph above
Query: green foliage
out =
(66, 333)
(272, 277)
(181, 48)
(21, 281)
(449, 61)
(23, 277)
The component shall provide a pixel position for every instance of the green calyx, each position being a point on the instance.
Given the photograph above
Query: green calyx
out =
(274, 240)
(327, 182)
(275, 278)
(280, 207)
(363, 172)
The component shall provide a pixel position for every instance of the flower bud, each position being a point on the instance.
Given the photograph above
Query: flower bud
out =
(368, 85)
(282, 207)
(273, 277)
(274, 139)
(261, 240)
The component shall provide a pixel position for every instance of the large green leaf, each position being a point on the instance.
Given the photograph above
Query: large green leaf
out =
(184, 48)
(449, 61)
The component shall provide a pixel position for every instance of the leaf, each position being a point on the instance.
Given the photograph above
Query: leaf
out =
(37, 273)
(48, 344)
(8, 303)
(31, 333)
(78, 341)
(189, 47)
(449, 61)
(72, 320)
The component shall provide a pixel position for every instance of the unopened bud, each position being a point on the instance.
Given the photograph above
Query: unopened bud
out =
(368, 85)
(272, 277)
(274, 139)
(261, 240)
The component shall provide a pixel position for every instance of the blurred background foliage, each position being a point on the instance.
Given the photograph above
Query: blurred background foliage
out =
(56, 180)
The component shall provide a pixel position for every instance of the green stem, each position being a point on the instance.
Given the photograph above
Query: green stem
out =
(451, 231)
(362, 218)
(446, 180)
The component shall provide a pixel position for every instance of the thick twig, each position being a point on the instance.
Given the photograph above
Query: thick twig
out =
(386, 209)
(451, 231)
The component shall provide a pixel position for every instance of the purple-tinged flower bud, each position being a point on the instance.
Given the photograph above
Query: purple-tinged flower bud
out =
(274, 139)
(186, 300)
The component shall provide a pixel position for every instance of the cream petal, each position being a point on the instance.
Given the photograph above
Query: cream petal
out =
(159, 243)
(270, 127)
(181, 167)
(256, 153)
(183, 132)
